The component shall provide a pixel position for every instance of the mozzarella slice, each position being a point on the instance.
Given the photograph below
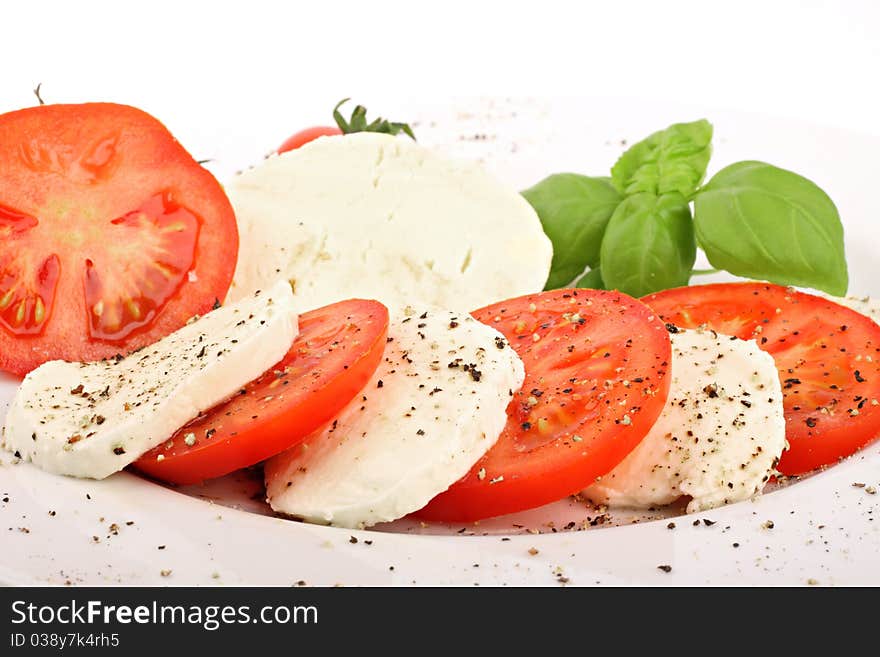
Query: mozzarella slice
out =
(719, 436)
(93, 419)
(375, 216)
(433, 408)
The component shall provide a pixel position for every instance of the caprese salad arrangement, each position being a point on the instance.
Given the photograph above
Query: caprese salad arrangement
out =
(390, 332)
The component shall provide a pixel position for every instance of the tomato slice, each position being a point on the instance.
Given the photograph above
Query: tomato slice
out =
(111, 235)
(336, 352)
(828, 358)
(303, 137)
(596, 380)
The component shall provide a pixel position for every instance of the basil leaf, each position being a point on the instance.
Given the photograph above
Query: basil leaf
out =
(592, 279)
(760, 221)
(574, 211)
(671, 160)
(649, 244)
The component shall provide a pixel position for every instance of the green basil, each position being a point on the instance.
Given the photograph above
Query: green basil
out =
(634, 232)
(670, 160)
(592, 279)
(649, 244)
(574, 211)
(759, 221)
(358, 122)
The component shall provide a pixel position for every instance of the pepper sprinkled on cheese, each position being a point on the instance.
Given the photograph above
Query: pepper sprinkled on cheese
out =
(93, 419)
(720, 435)
(398, 445)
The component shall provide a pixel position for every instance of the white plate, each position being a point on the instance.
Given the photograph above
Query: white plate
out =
(127, 530)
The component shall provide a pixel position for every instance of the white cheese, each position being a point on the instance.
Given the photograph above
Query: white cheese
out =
(436, 404)
(375, 216)
(93, 419)
(719, 436)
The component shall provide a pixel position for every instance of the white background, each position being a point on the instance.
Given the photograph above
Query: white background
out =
(223, 73)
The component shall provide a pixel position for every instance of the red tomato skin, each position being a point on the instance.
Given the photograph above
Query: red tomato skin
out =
(514, 477)
(320, 390)
(841, 374)
(303, 137)
(106, 160)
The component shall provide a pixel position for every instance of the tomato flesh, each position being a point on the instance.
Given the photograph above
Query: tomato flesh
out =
(336, 352)
(303, 137)
(827, 355)
(596, 366)
(25, 306)
(111, 235)
(154, 270)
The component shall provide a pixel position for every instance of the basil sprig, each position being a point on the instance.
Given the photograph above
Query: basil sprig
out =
(636, 232)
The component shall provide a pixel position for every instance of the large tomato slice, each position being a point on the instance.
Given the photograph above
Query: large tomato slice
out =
(111, 235)
(596, 380)
(336, 352)
(828, 358)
